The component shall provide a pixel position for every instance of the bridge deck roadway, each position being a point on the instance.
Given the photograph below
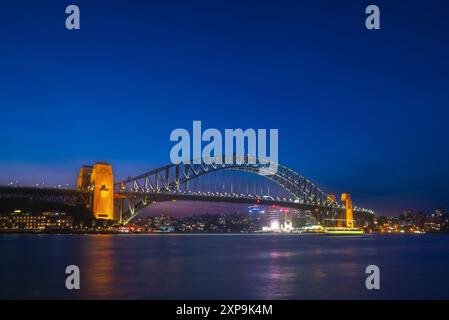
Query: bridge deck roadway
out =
(10, 191)
(169, 196)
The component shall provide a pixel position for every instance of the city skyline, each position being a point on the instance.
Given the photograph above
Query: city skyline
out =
(224, 158)
(356, 111)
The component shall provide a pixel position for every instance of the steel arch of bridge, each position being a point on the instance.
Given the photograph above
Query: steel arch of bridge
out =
(171, 177)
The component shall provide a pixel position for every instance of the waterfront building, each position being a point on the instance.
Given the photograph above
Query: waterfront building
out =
(18, 221)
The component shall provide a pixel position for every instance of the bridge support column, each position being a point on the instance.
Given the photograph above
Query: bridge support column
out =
(121, 210)
(100, 181)
(346, 198)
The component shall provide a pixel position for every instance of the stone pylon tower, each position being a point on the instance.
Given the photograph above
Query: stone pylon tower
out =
(100, 181)
(346, 198)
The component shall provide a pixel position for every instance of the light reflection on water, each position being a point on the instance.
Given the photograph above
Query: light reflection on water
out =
(168, 266)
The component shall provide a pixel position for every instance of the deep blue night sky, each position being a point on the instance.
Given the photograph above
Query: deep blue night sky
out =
(357, 110)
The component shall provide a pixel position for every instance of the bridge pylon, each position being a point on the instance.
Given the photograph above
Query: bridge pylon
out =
(99, 179)
(346, 198)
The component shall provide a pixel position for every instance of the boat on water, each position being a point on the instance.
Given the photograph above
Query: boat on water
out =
(343, 231)
(311, 229)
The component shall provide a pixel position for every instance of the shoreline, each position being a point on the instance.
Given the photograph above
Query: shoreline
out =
(198, 233)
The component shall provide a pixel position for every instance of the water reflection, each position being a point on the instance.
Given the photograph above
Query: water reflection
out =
(222, 266)
(99, 271)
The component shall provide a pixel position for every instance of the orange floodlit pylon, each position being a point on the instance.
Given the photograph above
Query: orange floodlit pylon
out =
(346, 198)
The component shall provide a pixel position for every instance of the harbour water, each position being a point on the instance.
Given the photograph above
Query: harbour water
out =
(224, 266)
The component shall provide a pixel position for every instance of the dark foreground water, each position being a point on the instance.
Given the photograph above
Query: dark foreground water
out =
(253, 266)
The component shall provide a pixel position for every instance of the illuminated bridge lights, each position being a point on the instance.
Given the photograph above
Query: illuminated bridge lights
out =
(192, 182)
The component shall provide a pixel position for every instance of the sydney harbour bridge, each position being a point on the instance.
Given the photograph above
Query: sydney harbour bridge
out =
(241, 180)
